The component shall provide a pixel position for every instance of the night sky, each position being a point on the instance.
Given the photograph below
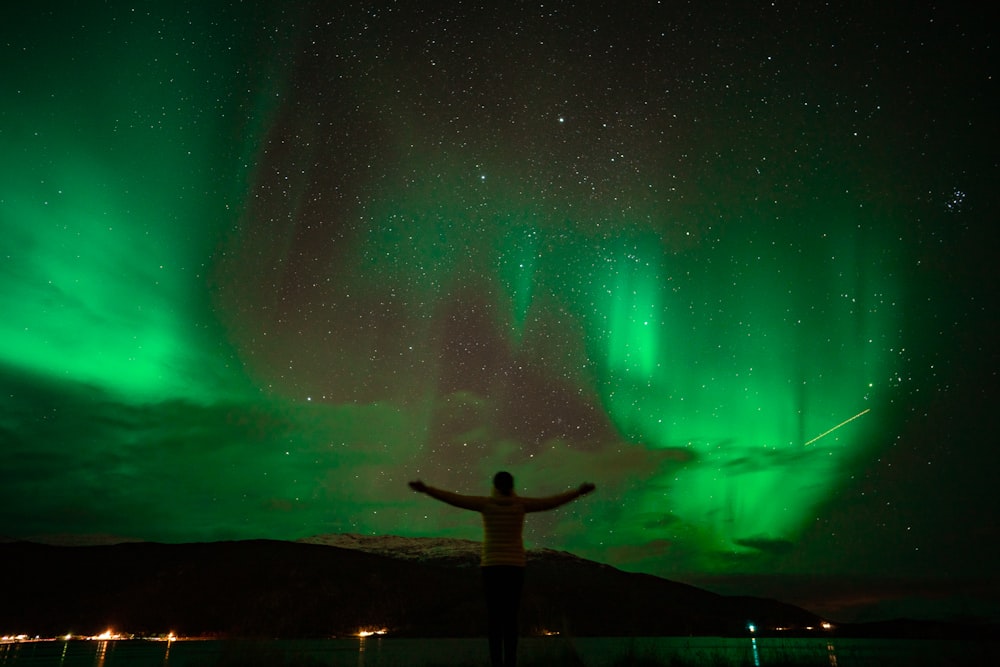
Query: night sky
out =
(262, 263)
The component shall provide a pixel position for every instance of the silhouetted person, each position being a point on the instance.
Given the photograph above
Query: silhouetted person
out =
(503, 555)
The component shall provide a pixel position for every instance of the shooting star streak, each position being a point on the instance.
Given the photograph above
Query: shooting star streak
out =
(846, 421)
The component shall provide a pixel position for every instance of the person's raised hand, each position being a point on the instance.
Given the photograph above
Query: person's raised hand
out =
(586, 488)
(418, 486)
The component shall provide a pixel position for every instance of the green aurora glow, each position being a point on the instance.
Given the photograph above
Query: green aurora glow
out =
(254, 280)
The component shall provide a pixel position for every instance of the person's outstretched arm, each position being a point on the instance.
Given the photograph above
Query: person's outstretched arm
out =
(475, 503)
(552, 502)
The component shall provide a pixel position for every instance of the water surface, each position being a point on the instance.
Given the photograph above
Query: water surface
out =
(550, 651)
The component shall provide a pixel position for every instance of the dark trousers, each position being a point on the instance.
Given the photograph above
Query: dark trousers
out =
(503, 584)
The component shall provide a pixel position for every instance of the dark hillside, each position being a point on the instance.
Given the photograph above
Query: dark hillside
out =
(285, 589)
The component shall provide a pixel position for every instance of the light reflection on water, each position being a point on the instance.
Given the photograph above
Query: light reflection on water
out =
(590, 652)
(362, 646)
(102, 651)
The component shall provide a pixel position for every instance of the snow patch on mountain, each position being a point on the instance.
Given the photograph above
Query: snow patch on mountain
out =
(424, 549)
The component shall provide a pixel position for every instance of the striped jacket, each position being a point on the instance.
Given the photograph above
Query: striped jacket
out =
(503, 520)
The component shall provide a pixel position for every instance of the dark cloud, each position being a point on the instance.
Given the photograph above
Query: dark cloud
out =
(767, 545)
(176, 468)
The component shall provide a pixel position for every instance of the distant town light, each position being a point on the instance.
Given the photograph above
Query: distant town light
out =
(368, 632)
(108, 635)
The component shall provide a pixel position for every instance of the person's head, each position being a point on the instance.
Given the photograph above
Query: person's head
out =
(503, 482)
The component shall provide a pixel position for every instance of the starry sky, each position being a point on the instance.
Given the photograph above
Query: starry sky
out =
(263, 263)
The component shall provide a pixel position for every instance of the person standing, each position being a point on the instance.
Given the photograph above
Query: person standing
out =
(503, 555)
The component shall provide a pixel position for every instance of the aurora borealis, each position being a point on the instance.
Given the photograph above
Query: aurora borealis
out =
(263, 265)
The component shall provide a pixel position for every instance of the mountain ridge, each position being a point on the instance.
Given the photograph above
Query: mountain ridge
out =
(338, 585)
(452, 550)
